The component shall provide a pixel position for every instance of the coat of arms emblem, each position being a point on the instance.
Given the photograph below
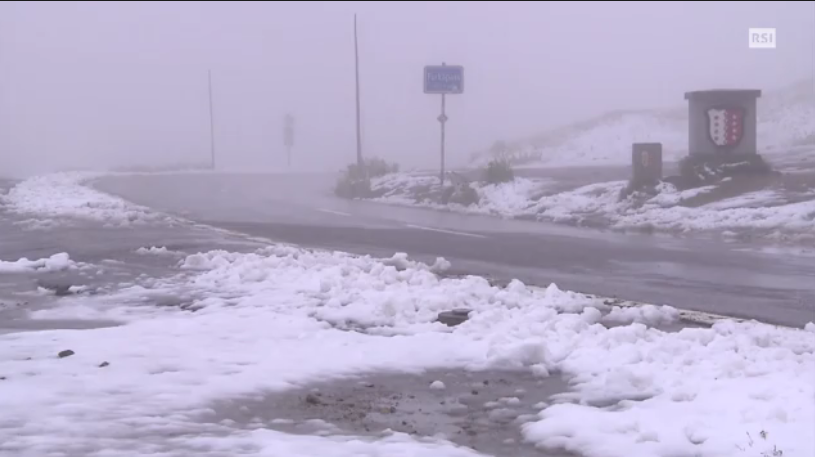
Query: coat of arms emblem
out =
(726, 126)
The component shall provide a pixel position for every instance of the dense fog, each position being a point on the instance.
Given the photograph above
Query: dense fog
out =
(115, 84)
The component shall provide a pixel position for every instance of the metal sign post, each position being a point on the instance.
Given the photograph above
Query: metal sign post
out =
(211, 125)
(443, 79)
(356, 76)
(288, 136)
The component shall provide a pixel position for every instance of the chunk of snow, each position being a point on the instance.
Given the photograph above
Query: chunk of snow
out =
(510, 400)
(154, 250)
(645, 314)
(56, 262)
(437, 385)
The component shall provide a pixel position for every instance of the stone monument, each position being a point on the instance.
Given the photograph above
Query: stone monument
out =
(722, 131)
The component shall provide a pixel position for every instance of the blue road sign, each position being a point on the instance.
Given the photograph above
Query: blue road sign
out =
(444, 79)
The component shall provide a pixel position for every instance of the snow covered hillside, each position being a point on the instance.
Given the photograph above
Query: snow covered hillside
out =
(785, 120)
(280, 318)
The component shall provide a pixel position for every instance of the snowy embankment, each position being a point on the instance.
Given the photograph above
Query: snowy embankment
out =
(281, 317)
(59, 198)
(766, 213)
(784, 122)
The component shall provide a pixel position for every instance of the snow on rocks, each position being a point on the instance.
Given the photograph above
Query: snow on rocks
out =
(281, 317)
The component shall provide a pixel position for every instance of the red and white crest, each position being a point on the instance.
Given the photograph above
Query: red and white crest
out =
(726, 126)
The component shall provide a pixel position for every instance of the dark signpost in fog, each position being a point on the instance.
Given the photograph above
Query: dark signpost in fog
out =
(211, 125)
(443, 80)
(288, 136)
(646, 163)
(356, 77)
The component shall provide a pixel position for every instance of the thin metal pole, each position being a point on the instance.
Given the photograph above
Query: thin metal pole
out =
(211, 125)
(356, 63)
(443, 121)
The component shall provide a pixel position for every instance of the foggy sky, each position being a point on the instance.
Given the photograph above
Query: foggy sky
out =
(107, 84)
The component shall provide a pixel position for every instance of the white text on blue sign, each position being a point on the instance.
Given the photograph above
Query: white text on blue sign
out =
(444, 79)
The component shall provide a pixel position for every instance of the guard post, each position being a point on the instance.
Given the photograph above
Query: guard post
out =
(646, 164)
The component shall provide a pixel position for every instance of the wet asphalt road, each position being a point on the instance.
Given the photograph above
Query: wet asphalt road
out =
(700, 275)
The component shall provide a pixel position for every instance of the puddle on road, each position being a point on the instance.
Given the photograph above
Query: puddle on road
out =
(481, 410)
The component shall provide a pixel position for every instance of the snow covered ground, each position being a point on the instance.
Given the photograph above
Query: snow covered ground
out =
(764, 213)
(785, 121)
(281, 317)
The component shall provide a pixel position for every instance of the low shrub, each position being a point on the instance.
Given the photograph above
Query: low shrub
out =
(460, 194)
(498, 171)
(348, 187)
(376, 167)
(356, 179)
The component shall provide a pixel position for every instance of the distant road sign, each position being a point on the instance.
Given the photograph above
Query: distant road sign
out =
(444, 79)
(288, 131)
(288, 137)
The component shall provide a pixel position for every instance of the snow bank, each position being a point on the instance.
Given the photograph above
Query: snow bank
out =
(281, 317)
(599, 204)
(63, 196)
(692, 393)
(56, 262)
(662, 212)
(512, 198)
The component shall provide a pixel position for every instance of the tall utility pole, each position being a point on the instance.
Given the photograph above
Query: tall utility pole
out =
(443, 122)
(356, 64)
(288, 136)
(211, 125)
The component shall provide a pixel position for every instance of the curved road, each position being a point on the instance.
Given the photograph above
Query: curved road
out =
(692, 274)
